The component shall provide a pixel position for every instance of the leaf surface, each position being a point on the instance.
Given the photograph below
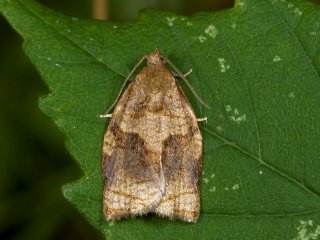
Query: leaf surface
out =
(256, 65)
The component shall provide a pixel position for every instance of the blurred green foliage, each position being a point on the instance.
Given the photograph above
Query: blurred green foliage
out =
(33, 161)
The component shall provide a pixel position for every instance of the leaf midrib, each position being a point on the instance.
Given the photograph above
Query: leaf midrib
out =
(262, 162)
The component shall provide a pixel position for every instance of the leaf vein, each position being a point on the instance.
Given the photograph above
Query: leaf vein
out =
(263, 162)
(71, 41)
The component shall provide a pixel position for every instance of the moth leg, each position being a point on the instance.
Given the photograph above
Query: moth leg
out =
(188, 73)
(202, 119)
(105, 115)
(175, 74)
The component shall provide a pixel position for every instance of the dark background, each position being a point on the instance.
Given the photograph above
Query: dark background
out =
(34, 163)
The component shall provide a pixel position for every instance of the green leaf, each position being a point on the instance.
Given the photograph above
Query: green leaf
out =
(257, 66)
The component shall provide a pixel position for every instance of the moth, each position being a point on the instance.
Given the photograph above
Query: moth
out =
(152, 149)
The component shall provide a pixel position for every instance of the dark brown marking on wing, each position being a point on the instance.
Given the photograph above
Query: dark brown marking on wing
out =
(130, 154)
(171, 157)
(137, 160)
(110, 166)
(178, 159)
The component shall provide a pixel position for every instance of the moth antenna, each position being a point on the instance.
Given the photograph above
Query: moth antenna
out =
(124, 84)
(186, 81)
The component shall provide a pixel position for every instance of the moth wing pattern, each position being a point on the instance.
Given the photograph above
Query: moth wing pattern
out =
(152, 151)
(182, 168)
(131, 185)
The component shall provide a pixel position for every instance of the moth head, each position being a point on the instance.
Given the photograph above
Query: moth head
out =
(156, 58)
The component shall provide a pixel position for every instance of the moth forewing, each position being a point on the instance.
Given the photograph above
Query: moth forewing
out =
(152, 150)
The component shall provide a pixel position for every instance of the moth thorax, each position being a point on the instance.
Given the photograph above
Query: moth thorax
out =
(155, 102)
(158, 83)
(155, 58)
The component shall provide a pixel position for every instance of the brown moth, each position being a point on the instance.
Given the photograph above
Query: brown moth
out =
(152, 149)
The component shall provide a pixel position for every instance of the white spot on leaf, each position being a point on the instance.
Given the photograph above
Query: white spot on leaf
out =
(236, 115)
(241, 3)
(276, 58)
(240, 119)
(291, 95)
(211, 31)
(297, 11)
(307, 231)
(235, 187)
(228, 108)
(170, 21)
(219, 128)
(223, 65)
(213, 189)
(202, 38)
